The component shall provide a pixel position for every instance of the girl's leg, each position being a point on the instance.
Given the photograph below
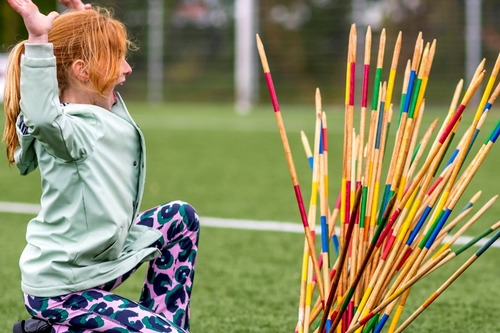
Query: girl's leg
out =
(96, 310)
(167, 289)
(164, 302)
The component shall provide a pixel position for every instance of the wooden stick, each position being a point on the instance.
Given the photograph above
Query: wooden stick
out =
(448, 282)
(348, 124)
(340, 263)
(442, 262)
(396, 294)
(361, 142)
(323, 194)
(464, 228)
(434, 152)
(446, 229)
(291, 165)
(364, 100)
(438, 223)
(392, 72)
(365, 218)
(310, 284)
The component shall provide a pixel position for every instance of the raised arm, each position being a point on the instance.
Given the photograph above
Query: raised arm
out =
(37, 24)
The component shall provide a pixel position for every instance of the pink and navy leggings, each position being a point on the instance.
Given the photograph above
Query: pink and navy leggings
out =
(164, 302)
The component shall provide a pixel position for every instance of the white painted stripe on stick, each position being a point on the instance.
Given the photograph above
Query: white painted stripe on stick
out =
(218, 222)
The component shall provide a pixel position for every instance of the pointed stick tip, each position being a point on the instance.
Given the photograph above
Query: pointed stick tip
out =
(317, 99)
(399, 39)
(497, 63)
(352, 32)
(368, 36)
(433, 46)
(262, 54)
(257, 38)
(434, 123)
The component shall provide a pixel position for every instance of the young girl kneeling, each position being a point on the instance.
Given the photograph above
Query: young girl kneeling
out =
(64, 117)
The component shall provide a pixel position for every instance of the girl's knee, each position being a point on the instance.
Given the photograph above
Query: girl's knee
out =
(186, 220)
(175, 219)
(190, 216)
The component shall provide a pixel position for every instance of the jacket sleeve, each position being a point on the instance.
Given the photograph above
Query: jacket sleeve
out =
(64, 136)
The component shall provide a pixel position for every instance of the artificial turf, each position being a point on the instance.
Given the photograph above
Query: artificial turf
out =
(233, 166)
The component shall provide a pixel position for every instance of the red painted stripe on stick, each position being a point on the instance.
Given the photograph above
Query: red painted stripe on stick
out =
(339, 199)
(272, 92)
(351, 83)
(433, 187)
(452, 123)
(388, 227)
(325, 139)
(405, 257)
(364, 95)
(347, 200)
(366, 318)
(388, 246)
(302, 209)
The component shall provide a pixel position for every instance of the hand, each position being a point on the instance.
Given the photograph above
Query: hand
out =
(37, 24)
(75, 4)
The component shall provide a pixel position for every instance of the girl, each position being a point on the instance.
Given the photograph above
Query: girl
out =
(64, 117)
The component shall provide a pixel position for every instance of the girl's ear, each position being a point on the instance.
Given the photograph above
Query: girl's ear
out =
(79, 70)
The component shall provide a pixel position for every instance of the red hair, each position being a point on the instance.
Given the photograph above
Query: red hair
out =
(91, 35)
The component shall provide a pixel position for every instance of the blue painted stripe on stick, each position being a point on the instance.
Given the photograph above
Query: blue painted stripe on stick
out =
(488, 243)
(438, 228)
(379, 126)
(324, 234)
(420, 222)
(311, 161)
(409, 91)
(381, 323)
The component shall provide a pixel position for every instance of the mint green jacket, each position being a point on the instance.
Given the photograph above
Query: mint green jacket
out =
(92, 168)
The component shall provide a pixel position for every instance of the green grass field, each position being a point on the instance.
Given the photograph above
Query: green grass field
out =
(233, 166)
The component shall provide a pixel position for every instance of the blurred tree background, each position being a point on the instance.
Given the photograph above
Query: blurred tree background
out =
(305, 41)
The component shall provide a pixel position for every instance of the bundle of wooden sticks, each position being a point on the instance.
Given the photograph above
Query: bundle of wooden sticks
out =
(386, 236)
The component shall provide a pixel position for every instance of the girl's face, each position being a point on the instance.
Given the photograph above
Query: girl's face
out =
(109, 99)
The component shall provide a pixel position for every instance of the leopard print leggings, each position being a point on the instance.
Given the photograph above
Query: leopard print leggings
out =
(164, 301)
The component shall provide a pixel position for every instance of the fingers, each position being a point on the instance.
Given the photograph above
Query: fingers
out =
(75, 4)
(22, 6)
(14, 3)
(37, 24)
(52, 16)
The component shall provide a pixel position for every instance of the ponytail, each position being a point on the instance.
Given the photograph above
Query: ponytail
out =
(12, 97)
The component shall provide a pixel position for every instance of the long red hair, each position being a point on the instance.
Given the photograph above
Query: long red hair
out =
(91, 35)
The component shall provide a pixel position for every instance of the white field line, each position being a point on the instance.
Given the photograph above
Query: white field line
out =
(216, 222)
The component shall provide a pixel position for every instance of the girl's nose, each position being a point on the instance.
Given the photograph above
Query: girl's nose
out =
(126, 69)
